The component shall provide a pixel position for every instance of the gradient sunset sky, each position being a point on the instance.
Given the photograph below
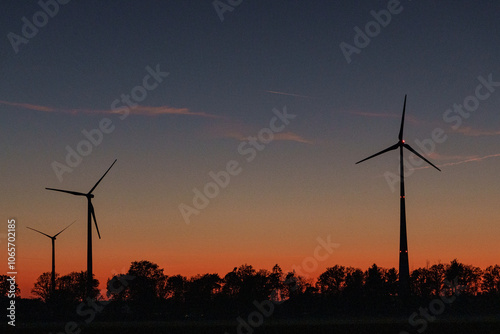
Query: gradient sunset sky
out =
(224, 80)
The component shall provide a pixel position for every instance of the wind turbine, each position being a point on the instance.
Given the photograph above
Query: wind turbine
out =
(53, 276)
(90, 215)
(404, 268)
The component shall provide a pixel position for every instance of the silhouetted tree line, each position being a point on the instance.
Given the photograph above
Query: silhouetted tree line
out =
(145, 292)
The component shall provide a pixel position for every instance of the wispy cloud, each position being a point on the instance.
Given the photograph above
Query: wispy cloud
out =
(137, 110)
(372, 114)
(239, 131)
(408, 118)
(290, 94)
(281, 136)
(468, 131)
(474, 159)
(28, 106)
(467, 160)
(290, 136)
(443, 157)
(165, 110)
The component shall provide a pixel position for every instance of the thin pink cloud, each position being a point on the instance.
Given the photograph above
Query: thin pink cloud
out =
(371, 114)
(165, 110)
(28, 106)
(290, 136)
(282, 136)
(443, 157)
(474, 159)
(464, 161)
(137, 110)
(408, 118)
(468, 131)
(290, 94)
(239, 131)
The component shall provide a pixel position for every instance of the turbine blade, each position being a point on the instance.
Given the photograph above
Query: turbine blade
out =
(393, 147)
(402, 121)
(95, 221)
(39, 232)
(64, 229)
(420, 156)
(91, 190)
(68, 191)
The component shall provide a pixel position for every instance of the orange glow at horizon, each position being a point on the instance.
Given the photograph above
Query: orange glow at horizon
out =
(190, 265)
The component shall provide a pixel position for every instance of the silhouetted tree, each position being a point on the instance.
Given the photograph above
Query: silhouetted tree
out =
(73, 287)
(141, 291)
(117, 287)
(436, 277)
(42, 286)
(421, 282)
(353, 290)
(263, 288)
(332, 281)
(149, 283)
(297, 294)
(177, 287)
(295, 285)
(491, 280)
(70, 288)
(276, 283)
(466, 276)
(245, 285)
(231, 284)
(253, 285)
(201, 292)
(374, 282)
(472, 280)
(5, 287)
(391, 282)
(354, 280)
(247, 282)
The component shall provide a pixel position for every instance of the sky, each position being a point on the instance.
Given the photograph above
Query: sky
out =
(277, 101)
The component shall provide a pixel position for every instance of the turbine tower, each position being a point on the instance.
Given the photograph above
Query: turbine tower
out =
(53, 275)
(90, 215)
(404, 267)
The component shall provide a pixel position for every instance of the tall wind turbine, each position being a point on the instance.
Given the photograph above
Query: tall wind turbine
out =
(53, 276)
(90, 215)
(404, 268)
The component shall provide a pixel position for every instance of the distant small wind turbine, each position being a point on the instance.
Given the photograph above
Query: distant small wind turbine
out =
(90, 215)
(404, 267)
(53, 238)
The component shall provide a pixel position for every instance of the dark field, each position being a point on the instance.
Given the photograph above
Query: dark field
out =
(379, 326)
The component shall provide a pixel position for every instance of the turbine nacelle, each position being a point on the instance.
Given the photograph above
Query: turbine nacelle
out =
(89, 195)
(401, 143)
(53, 237)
